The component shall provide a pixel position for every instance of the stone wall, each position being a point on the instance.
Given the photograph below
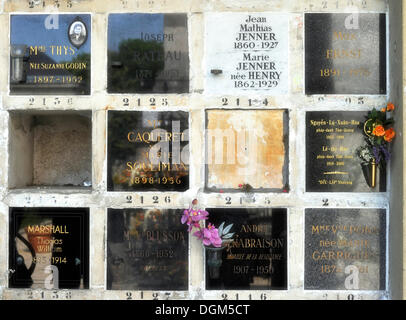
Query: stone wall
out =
(16, 156)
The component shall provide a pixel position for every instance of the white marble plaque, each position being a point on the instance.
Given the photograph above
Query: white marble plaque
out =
(246, 53)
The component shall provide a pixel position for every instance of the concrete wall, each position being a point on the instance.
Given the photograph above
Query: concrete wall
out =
(98, 200)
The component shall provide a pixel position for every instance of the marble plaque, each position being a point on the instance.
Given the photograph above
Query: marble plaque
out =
(246, 53)
(49, 248)
(147, 249)
(345, 249)
(50, 54)
(247, 147)
(332, 165)
(345, 53)
(256, 258)
(148, 53)
(148, 151)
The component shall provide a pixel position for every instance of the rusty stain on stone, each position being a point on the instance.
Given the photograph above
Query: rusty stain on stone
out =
(258, 159)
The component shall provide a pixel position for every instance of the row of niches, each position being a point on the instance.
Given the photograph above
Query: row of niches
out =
(148, 249)
(240, 150)
(243, 53)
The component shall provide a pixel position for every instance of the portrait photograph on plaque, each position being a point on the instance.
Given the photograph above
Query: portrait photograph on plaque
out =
(148, 151)
(345, 249)
(256, 256)
(333, 141)
(345, 53)
(50, 54)
(148, 53)
(147, 249)
(49, 248)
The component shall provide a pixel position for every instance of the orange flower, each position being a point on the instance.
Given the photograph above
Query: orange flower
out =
(390, 106)
(389, 135)
(378, 131)
(383, 110)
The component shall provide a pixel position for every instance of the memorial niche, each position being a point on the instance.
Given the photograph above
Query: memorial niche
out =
(147, 249)
(251, 55)
(247, 147)
(148, 151)
(50, 54)
(256, 259)
(345, 249)
(332, 164)
(49, 248)
(148, 53)
(345, 53)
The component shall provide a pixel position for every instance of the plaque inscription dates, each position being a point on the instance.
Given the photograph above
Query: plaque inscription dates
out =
(148, 151)
(247, 52)
(49, 248)
(148, 53)
(332, 164)
(147, 249)
(345, 249)
(247, 147)
(50, 54)
(345, 53)
(256, 259)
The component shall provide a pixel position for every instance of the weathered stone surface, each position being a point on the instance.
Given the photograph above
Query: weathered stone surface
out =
(345, 249)
(254, 153)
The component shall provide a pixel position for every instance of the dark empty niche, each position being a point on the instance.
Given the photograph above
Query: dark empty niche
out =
(50, 149)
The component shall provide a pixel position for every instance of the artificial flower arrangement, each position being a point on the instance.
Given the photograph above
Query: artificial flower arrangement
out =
(209, 235)
(379, 133)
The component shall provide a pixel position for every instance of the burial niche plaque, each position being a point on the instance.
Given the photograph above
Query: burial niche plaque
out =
(247, 147)
(49, 248)
(147, 249)
(256, 259)
(148, 151)
(148, 53)
(345, 249)
(345, 53)
(247, 53)
(50, 54)
(332, 163)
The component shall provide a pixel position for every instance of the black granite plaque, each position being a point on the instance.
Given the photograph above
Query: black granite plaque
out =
(256, 259)
(345, 53)
(147, 249)
(49, 248)
(50, 54)
(148, 53)
(345, 249)
(148, 151)
(332, 165)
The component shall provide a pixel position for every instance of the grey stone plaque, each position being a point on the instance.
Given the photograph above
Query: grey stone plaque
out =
(345, 249)
(345, 53)
(147, 249)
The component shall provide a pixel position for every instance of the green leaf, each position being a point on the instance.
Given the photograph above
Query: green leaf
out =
(228, 236)
(221, 228)
(227, 229)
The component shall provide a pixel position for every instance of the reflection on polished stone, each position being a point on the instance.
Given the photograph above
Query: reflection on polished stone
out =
(345, 53)
(345, 249)
(50, 54)
(256, 258)
(148, 150)
(332, 164)
(49, 248)
(148, 53)
(247, 147)
(147, 249)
